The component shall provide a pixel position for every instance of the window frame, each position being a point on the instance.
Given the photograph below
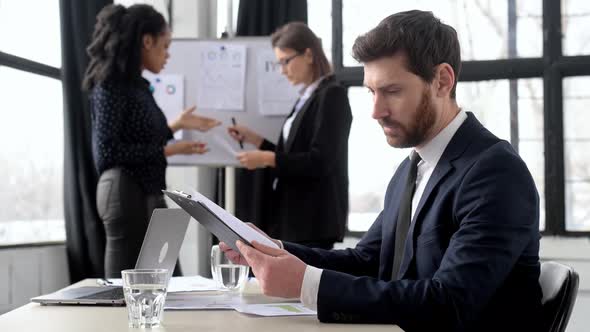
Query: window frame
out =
(552, 67)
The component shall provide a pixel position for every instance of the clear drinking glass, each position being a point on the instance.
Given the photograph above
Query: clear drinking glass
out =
(145, 294)
(227, 275)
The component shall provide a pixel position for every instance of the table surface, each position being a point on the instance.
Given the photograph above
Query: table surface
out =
(35, 317)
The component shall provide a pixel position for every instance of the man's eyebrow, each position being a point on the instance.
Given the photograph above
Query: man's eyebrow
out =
(384, 87)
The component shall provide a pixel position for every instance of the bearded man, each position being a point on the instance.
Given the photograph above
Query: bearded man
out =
(456, 247)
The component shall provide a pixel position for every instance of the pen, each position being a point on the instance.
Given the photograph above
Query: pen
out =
(233, 121)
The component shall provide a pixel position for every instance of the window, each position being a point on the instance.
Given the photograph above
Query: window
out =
(31, 146)
(38, 27)
(32, 158)
(488, 100)
(472, 19)
(576, 113)
(319, 20)
(223, 8)
(574, 27)
(367, 188)
(490, 103)
(160, 5)
(523, 93)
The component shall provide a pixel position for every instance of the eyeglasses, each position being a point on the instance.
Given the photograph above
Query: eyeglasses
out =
(284, 62)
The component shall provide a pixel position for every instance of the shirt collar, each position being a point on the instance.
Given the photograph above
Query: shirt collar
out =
(433, 150)
(306, 91)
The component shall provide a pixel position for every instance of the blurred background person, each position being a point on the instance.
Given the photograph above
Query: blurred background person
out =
(130, 132)
(310, 162)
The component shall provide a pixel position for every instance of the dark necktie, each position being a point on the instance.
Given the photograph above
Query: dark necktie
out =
(404, 217)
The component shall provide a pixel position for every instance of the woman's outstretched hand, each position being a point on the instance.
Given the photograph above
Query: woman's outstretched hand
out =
(188, 120)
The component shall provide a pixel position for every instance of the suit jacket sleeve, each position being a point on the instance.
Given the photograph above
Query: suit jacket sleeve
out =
(496, 205)
(329, 141)
(363, 260)
(267, 145)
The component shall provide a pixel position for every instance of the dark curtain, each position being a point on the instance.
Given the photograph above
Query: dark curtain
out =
(85, 239)
(261, 18)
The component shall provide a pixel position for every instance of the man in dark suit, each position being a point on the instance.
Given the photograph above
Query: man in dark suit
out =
(456, 247)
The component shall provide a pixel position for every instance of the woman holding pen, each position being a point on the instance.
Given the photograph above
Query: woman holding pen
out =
(130, 132)
(310, 161)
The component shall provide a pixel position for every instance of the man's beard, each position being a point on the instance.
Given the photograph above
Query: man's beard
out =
(417, 131)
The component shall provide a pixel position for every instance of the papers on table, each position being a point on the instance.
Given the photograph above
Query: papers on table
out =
(199, 293)
(203, 301)
(275, 309)
(235, 301)
(182, 284)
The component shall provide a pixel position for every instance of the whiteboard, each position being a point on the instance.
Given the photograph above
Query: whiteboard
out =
(184, 60)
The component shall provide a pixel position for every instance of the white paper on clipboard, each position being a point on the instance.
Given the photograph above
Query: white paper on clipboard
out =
(232, 221)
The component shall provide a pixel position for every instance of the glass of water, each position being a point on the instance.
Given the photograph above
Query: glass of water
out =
(227, 275)
(145, 293)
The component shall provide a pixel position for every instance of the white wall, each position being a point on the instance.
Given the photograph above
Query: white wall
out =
(29, 272)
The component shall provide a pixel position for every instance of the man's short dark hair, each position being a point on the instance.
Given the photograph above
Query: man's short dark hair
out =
(422, 37)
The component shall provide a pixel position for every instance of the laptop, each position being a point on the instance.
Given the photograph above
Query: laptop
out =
(159, 250)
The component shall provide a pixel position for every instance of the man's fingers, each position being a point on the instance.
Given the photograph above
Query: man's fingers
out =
(252, 256)
(268, 250)
(224, 247)
(231, 254)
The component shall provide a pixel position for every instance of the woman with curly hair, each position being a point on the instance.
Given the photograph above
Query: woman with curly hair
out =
(130, 133)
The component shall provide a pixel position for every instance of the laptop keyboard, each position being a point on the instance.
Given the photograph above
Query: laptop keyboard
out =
(113, 293)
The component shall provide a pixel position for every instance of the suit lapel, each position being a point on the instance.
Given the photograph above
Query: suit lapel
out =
(389, 225)
(454, 150)
(297, 123)
(437, 175)
(281, 142)
(299, 117)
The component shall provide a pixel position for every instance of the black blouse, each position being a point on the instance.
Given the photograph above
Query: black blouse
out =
(130, 131)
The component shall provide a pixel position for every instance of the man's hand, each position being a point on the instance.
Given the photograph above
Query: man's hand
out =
(235, 256)
(278, 272)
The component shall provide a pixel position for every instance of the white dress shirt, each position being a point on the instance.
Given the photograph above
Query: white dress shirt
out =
(304, 93)
(430, 154)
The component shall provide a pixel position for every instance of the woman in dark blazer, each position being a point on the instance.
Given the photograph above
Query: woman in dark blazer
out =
(130, 133)
(310, 162)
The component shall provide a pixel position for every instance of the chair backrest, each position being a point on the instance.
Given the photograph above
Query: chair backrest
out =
(559, 283)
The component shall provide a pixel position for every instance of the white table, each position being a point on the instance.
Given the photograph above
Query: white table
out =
(34, 317)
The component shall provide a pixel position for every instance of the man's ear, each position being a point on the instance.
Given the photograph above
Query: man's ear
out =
(445, 77)
(147, 41)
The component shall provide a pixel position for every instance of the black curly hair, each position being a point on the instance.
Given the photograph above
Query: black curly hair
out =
(115, 50)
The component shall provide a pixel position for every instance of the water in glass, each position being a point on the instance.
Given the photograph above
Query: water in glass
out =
(145, 304)
(230, 276)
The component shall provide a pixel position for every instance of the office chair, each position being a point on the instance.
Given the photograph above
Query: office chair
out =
(559, 284)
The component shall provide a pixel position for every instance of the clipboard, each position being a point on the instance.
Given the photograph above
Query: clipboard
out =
(211, 221)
